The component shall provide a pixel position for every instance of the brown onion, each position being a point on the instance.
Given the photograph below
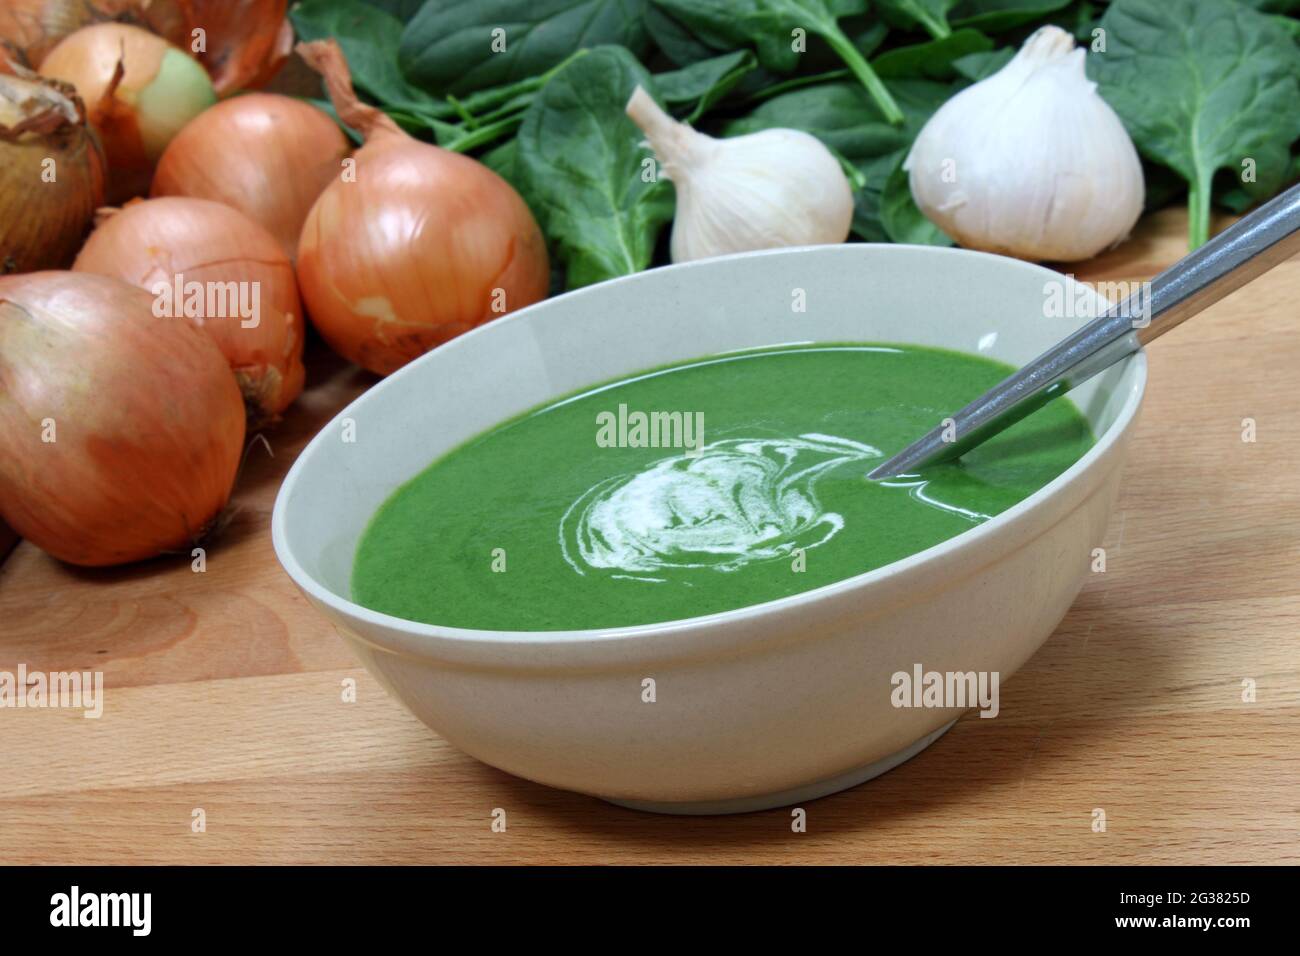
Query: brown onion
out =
(51, 173)
(120, 432)
(31, 28)
(268, 156)
(139, 91)
(164, 245)
(418, 245)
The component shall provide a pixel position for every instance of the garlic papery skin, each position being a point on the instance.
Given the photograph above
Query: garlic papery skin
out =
(1030, 162)
(778, 187)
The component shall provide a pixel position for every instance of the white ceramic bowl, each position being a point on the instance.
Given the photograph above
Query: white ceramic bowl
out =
(759, 707)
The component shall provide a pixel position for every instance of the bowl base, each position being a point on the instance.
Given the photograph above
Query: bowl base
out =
(783, 798)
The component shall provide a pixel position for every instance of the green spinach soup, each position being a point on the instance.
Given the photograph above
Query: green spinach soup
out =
(698, 488)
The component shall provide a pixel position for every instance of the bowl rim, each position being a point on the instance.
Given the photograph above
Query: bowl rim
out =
(432, 635)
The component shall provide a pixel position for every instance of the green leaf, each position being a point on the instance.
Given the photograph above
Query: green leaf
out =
(978, 66)
(1274, 6)
(580, 160)
(1081, 19)
(369, 38)
(401, 9)
(776, 28)
(719, 25)
(456, 46)
(1203, 85)
(998, 16)
(869, 39)
(1291, 25)
(846, 119)
(934, 59)
(930, 15)
(675, 39)
(839, 114)
(703, 84)
(763, 85)
(501, 160)
(900, 217)
(326, 107)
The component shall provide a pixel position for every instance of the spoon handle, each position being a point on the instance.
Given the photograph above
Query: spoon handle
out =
(1251, 246)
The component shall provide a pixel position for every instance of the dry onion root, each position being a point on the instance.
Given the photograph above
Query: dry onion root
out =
(211, 263)
(120, 432)
(139, 91)
(268, 156)
(51, 173)
(414, 244)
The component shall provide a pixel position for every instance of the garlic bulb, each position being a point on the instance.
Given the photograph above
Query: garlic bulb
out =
(1030, 162)
(778, 187)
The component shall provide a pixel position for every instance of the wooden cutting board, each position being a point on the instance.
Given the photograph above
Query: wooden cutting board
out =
(224, 689)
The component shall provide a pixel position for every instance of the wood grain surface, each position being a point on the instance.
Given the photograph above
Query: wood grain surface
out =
(223, 689)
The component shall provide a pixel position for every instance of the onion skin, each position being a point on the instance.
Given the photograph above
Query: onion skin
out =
(139, 91)
(247, 41)
(418, 249)
(153, 241)
(149, 423)
(31, 28)
(269, 156)
(383, 284)
(45, 221)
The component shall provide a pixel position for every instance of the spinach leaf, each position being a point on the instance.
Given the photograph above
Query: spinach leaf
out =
(772, 25)
(703, 84)
(935, 59)
(369, 38)
(998, 16)
(1231, 194)
(900, 217)
(978, 66)
(870, 37)
(579, 161)
(501, 160)
(401, 9)
(1203, 85)
(1291, 25)
(327, 107)
(457, 46)
(761, 85)
(1274, 6)
(930, 15)
(674, 39)
(1081, 19)
(845, 118)
(941, 17)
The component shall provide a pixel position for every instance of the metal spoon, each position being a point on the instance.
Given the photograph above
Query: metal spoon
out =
(1247, 249)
